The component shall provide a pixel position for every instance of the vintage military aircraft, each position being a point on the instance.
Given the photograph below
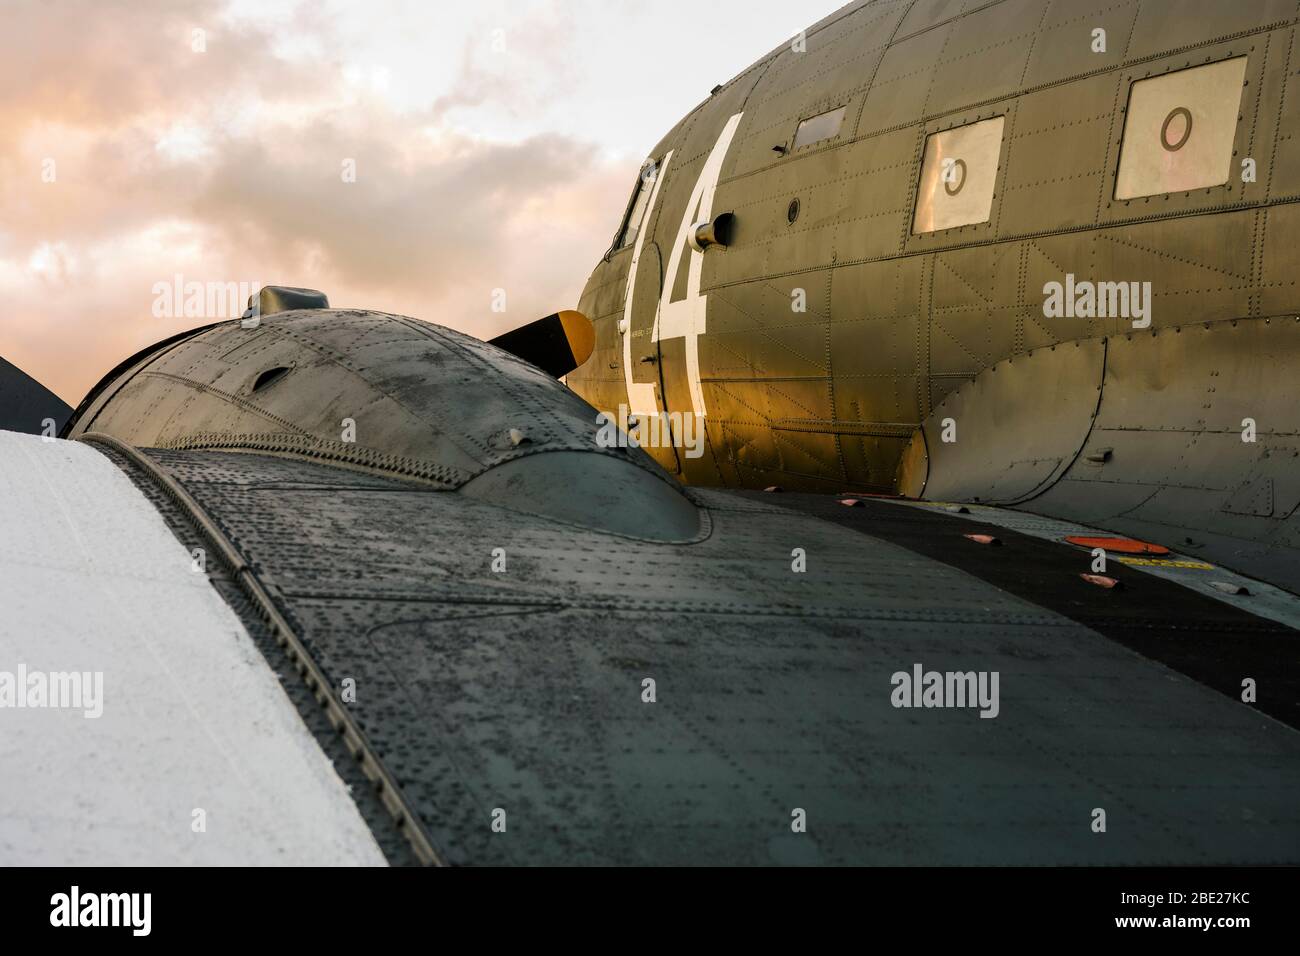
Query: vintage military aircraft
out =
(922, 489)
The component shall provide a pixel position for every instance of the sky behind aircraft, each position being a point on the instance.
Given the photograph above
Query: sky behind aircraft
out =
(493, 147)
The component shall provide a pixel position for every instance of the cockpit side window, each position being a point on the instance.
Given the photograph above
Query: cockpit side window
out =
(636, 209)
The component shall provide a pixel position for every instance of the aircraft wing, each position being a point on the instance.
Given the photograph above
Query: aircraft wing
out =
(501, 642)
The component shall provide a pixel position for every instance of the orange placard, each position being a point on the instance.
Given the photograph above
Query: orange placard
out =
(1120, 545)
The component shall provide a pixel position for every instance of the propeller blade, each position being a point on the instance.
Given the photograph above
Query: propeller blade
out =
(26, 404)
(556, 344)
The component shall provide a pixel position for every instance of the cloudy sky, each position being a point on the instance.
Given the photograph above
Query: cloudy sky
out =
(495, 143)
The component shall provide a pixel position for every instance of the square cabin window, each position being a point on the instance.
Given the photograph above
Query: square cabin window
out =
(819, 127)
(958, 172)
(1179, 129)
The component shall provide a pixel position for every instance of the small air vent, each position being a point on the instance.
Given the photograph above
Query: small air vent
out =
(270, 377)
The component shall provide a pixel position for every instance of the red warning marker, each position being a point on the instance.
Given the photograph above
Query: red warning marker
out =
(1118, 545)
(984, 539)
(1101, 580)
(852, 503)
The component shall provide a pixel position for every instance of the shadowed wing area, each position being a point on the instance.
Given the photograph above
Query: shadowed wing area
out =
(522, 689)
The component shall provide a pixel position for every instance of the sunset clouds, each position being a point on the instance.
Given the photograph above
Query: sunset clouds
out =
(493, 144)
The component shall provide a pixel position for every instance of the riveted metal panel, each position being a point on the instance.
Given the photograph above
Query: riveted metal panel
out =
(1278, 290)
(809, 449)
(878, 363)
(767, 362)
(1277, 148)
(1172, 26)
(875, 310)
(741, 436)
(775, 328)
(927, 14)
(1066, 46)
(394, 379)
(766, 241)
(809, 241)
(902, 82)
(1254, 164)
(985, 56)
(1196, 273)
(696, 137)
(759, 203)
(1016, 428)
(1053, 259)
(1173, 413)
(973, 312)
(835, 58)
(1151, 381)
(1056, 158)
(875, 195)
(829, 73)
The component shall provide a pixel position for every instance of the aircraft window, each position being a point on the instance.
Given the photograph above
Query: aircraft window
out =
(819, 127)
(1179, 129)
(636, 212)
(958, 172)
